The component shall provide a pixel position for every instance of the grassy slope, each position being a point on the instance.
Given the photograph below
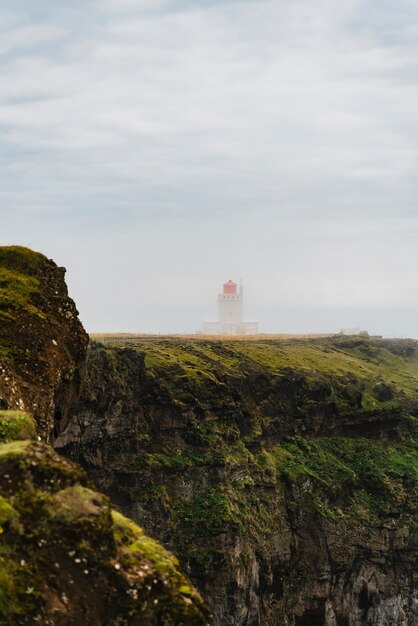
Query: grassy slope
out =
(19, 284)
(369, 360)
(19, 290)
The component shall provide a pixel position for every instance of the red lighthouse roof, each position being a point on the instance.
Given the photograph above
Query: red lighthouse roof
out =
(230, 287)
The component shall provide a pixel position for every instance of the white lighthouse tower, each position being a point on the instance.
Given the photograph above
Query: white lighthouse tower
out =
(230, 304)
(230, 313)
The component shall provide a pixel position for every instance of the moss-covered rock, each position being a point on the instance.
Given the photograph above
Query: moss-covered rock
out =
(42, 342)
(66, 557)
(16, 425)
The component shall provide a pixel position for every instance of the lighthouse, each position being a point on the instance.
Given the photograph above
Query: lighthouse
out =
(230, 313)
(230, 304)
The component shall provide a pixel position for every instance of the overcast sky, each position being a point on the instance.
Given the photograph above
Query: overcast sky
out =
(157, 148)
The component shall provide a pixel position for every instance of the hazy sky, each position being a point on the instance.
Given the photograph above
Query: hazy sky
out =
(157, 148)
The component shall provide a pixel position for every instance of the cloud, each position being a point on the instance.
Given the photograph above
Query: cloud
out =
(289, 126)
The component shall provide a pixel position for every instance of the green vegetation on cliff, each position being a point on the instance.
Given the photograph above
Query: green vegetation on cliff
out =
(342, 479)
(16, 425)
(19, 282)
(237, 436)
(365, 379)
(196, 367)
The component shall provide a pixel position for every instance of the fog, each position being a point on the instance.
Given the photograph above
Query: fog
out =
(157, 149)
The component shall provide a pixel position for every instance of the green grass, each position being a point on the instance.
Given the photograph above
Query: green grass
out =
(345, 472)
(18, 291)
(208, 513)
(12, 450)
(367, 360)
(198, 370)
(15, 425)
(22, 260)
(7, 513)
(19, 281)
(332, 477)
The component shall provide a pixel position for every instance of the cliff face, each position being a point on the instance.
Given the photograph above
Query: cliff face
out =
(66, 557)
(283, 474)
(42, 342)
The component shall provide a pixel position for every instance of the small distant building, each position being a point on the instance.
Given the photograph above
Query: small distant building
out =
(230, 314)
(354, 331)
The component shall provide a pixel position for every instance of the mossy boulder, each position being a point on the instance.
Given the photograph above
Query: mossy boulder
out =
(66, 557)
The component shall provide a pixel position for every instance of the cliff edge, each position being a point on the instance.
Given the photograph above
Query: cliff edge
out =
(43, 344)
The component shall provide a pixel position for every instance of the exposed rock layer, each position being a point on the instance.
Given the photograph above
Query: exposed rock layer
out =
(282, 473)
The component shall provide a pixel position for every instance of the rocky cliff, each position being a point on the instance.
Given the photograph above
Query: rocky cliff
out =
(282, 473)
(42, 342)
(66, 557)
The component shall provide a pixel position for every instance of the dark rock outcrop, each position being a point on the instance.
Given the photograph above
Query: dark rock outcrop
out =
(42, 342)
(285, 486)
